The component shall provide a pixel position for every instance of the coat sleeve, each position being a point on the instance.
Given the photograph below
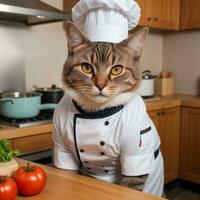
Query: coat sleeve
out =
(62, 157)
(137, 145)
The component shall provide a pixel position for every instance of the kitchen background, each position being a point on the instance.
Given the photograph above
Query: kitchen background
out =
(35, 56)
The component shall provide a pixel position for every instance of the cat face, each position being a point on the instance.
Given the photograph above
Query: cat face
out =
(99, 73)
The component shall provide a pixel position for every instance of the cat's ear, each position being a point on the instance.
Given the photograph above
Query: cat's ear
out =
(136, 41)
(74, 36)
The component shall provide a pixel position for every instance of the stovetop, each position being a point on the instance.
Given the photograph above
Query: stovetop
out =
(42, 118)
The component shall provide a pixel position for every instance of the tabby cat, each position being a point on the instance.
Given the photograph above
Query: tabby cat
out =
(122, 143)
(100, 75)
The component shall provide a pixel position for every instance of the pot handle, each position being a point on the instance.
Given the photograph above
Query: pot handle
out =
(36, 87)
(7, 99)
(147, 73)
(47, 106)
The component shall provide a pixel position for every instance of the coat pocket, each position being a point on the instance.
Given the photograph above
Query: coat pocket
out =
(143, 135)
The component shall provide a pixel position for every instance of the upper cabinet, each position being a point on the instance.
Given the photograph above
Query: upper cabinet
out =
(190, 15)
(145, 10)
(163, 14)
(160, 13)
(170, 14)
(68, 5)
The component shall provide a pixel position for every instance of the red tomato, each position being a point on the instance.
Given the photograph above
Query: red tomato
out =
(8, 188)
(30, 180)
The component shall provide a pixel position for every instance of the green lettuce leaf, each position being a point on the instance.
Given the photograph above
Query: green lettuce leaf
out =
(6, 152)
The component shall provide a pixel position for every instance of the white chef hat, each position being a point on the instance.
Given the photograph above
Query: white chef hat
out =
(106, 20)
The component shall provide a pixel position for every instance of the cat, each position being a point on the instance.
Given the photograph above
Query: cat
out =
(101, 76)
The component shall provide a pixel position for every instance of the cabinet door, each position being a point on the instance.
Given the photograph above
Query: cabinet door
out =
(35, 143)
(154, 116)
(190, 145)
(169, 130)
(146, 10)
(190, 14)
(165, 14)
(167, 123)
(68, 5)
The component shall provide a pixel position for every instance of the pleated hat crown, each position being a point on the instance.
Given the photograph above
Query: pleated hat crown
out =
(106, 20)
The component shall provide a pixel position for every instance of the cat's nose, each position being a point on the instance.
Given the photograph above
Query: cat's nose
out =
(100, 86)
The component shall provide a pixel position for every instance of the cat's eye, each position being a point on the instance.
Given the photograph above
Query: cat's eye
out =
(86, 68)
(116, 70)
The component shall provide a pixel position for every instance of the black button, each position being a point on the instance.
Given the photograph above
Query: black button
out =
(106, 171)
(102, 153)
(102, 143)
(81, 150)
(102, 166)
(106, 123)
(89, 168)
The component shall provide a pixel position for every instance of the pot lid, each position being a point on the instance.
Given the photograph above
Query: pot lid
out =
(147, 75)
(19, 94)
(53, 88)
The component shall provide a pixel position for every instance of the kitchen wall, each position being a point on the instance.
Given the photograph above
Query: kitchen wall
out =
(45, 55)
(32, 56)
(12, 58)
(152, 56)
(181, 54)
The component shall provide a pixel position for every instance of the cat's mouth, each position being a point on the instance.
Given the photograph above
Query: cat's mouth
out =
(101, 95)
(100, 98)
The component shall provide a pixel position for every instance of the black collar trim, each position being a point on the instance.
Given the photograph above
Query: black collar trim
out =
(98, 114)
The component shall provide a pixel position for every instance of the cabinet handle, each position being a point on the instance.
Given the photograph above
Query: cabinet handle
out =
(149, 18)
(160, 113)
(155, 19)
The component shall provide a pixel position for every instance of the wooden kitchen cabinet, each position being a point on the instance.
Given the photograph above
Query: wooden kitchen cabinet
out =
(160, 13)
(165, 13)
(145, 10)
(190, 15)
(189, 145)
(34, 143)
(170, 14)
(68, 5)
(167, 122)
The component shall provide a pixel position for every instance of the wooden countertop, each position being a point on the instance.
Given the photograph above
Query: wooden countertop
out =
(153, 104)
(11, 132)
(173, 101)
(64, 185)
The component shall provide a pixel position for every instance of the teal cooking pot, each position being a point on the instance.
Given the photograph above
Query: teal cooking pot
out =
(22, 105)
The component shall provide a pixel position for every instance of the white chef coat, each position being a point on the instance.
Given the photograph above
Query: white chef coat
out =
(108, 143)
